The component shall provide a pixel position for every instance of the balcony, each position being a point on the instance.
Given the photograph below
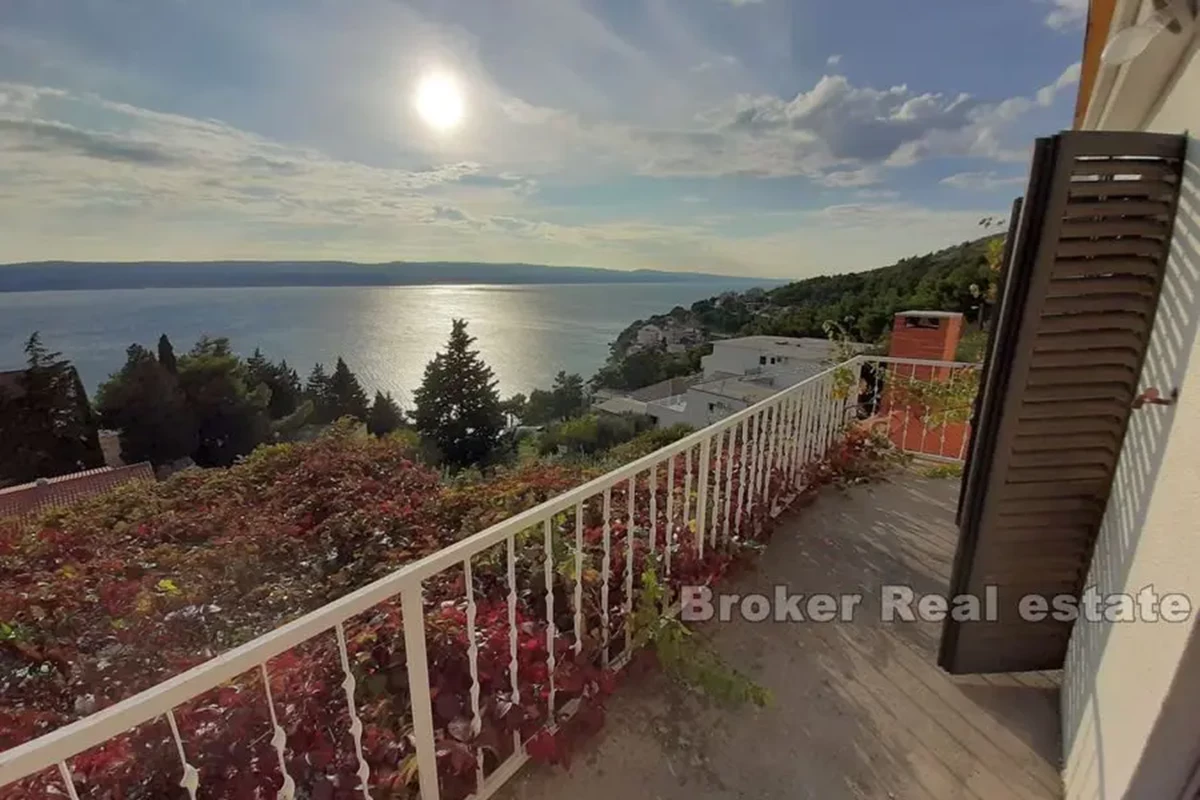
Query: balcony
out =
(523, 626)
(859, 710)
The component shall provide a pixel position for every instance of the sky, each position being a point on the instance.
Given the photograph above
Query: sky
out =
(761, 138)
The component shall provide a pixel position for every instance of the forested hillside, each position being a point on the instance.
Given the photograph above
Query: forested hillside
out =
(959, 278)
(954, 279)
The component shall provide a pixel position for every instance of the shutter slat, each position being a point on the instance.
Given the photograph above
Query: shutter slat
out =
(1066, 348)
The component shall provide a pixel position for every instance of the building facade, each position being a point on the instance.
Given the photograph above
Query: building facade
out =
(1131, 690)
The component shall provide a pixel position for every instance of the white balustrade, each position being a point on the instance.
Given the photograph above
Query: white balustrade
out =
(745, 467)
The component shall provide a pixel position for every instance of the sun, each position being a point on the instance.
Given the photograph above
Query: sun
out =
(439, 101)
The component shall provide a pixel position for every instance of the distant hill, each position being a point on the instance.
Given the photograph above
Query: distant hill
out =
(57, 275)
(952, 279)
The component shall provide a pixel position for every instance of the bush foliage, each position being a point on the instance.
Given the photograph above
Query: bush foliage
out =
(113, 596)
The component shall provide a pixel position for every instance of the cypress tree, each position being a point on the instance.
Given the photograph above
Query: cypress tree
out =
(166, 355)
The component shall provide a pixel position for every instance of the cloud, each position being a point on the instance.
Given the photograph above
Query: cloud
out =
(1069, 77)
(136, 183)
(708, 66)
(833, 60)
(981, 181)
(51, 137)
(179, 165)
(877, 194)
(851, 178)
(1067, 14)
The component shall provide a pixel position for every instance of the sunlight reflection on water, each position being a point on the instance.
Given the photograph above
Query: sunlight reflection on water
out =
(386, 334)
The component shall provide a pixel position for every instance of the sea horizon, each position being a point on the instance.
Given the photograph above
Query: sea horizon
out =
(386, 334)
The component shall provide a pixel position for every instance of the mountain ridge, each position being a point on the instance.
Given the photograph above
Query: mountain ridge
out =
(100, 275)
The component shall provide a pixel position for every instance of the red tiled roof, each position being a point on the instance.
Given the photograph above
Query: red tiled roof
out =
(31, 498)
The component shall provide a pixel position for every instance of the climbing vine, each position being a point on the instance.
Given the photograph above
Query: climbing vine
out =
(684, 655)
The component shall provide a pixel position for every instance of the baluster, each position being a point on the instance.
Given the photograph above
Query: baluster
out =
(769, 444)
(687, 492)
(413, 613)
(752, 462)
(761, 458)
(946, 412)
(278, 740)
(793, 440)
(702, 499)
(773, 443)
(669, 533)
(785, 440)
(801, 454)
(472, 646)
(191, 776)
(605, 574)
(551, 632)
(743, 456)
(653, 485)
(730, 450)
(714, 525)
(907, 407)
(70, 781)
(356, 725)
(830, 415)
(823, 422)
(629, 564)
(764, 458)
(512, 628)
(806, 409)
(966, 430)
(579, 577)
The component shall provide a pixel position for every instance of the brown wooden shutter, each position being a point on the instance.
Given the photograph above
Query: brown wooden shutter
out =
(1082, 281)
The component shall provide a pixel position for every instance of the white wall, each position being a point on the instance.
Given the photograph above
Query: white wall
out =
(1131, 711)
(726, 358)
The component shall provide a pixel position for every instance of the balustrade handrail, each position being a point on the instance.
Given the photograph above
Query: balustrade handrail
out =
(406, 584)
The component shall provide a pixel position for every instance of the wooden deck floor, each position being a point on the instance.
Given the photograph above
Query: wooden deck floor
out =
(860, 709)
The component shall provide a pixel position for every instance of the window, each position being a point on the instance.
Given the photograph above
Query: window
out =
(762, 359)
(712, 406)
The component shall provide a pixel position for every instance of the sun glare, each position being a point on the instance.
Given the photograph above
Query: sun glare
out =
(439, 101)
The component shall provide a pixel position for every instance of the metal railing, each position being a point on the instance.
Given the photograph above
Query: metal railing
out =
(923, 406)
(532, 612)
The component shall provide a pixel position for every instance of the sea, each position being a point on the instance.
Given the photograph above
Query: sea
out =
(526, 333)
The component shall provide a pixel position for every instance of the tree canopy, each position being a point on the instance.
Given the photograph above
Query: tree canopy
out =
(46, 423)
(145, 404)
(346, 395)
(385, 415)
(457, 408)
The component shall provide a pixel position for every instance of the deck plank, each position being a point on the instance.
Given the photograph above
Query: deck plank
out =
(860, 708)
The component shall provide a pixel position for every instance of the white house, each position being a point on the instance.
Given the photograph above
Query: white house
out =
(747, 355)
(1131, 691)
(649, 335)
(741, 372)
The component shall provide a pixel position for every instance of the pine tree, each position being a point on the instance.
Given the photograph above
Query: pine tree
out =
(145, 404)
(385, 415)
(346, 394)
(457, 406)
(47, 426)
(281, 381)
(286, 391)
(568, 400)
(166, 355)
(316, 391)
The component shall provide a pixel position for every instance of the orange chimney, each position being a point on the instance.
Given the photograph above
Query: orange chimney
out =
(931, 335)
